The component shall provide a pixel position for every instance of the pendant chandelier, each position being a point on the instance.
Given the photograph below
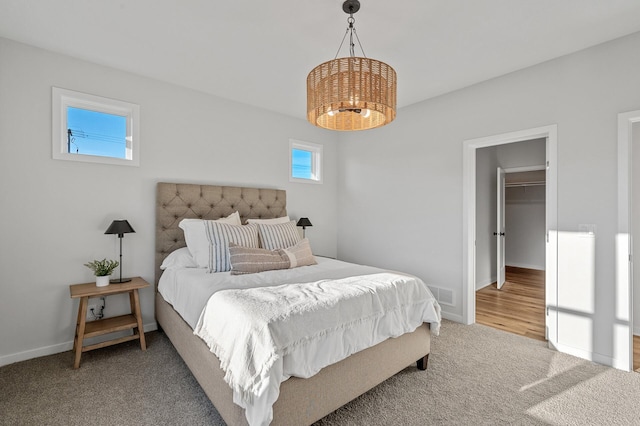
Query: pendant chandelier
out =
(351, 93)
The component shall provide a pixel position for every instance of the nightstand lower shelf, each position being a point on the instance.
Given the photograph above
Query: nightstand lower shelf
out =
(110, 325)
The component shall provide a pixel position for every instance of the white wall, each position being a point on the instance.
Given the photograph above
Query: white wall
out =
(54, 213)
(400, 187)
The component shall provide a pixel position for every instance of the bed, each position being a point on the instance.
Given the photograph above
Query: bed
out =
(300, 401)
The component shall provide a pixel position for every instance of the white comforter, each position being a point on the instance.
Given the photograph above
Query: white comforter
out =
(264, 334)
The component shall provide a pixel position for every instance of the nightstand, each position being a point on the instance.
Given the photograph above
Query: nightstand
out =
(132, 321)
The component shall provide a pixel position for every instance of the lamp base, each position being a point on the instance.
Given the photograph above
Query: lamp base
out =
(120, 280)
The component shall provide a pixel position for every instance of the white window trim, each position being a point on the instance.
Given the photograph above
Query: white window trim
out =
(63, 98)
(316, 159)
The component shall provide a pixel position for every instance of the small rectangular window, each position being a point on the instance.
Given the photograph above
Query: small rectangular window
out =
(305, 162)
(94, 129)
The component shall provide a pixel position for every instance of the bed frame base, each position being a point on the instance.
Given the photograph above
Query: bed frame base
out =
(301, 401)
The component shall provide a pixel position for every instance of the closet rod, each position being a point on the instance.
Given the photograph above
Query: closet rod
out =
(514, 184)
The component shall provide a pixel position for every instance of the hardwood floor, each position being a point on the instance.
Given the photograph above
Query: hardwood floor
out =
(636, 353)
(519, 307)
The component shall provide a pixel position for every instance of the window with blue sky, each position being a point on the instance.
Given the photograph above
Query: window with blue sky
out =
(96, 133)
(301, 163)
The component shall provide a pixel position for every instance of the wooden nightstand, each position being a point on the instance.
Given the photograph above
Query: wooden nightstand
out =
(132, 321)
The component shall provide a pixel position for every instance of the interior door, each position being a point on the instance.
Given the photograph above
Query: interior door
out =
(501, 269)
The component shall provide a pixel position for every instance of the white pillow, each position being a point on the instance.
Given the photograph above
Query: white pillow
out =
(276, 221)
(281, 236)
(180, 258)
(195, 235)
(220, 235)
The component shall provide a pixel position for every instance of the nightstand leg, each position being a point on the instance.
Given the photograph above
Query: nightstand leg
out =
(134, 299)
(75, 338)
(77, 342)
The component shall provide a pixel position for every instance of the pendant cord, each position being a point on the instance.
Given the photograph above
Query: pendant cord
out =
(341, 43)
(351, 30)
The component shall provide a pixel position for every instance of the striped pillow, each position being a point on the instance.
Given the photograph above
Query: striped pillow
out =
(196, 238)
(277, 236)
(246, 260)
(220, 235)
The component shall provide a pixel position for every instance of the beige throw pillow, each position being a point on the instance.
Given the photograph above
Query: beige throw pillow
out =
(247, 260)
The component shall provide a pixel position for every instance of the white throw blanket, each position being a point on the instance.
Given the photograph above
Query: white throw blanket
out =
(263, 336)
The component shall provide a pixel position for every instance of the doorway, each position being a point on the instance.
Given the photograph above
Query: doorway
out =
(471, 147)
(510, 237)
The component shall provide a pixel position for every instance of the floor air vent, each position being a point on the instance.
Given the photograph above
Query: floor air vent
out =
(444, 296)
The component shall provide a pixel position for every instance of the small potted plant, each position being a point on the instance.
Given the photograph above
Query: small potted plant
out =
(102, 269)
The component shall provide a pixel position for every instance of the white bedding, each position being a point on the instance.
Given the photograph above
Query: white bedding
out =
(201, 284)
(338, 309)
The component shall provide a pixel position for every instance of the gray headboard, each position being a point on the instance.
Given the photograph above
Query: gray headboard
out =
(176, 201)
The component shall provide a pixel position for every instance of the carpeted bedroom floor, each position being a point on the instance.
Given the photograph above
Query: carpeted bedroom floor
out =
(476, 376)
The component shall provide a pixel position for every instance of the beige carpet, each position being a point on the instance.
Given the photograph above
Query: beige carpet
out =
(476, 376)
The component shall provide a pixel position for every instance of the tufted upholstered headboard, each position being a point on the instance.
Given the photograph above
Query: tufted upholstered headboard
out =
(176, 201)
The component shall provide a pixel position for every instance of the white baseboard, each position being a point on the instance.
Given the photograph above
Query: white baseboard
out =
(485, 283)
(594, 357)
(35, 353)
(52, 349)
(452, 317)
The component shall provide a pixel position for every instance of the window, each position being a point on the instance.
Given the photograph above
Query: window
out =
(94, 129)
(305, 162)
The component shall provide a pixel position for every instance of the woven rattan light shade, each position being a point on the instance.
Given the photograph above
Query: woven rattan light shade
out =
(351, 93)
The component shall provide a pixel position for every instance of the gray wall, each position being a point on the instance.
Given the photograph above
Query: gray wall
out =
(525, 227)
(54, 213)
(486, 164)
(400, 187)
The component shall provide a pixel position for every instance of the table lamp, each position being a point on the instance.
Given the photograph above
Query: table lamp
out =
(304, 222)
(120, 227)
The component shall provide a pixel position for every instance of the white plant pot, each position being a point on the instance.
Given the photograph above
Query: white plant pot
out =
(103, 281)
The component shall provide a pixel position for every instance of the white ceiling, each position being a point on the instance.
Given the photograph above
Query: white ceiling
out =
(260, 52)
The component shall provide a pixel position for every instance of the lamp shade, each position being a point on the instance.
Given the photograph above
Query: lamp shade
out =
(304, 222)
(119, 227)
(351, 93)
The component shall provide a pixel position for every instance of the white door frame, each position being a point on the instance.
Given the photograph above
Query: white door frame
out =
(469, 219)
(623, 333)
